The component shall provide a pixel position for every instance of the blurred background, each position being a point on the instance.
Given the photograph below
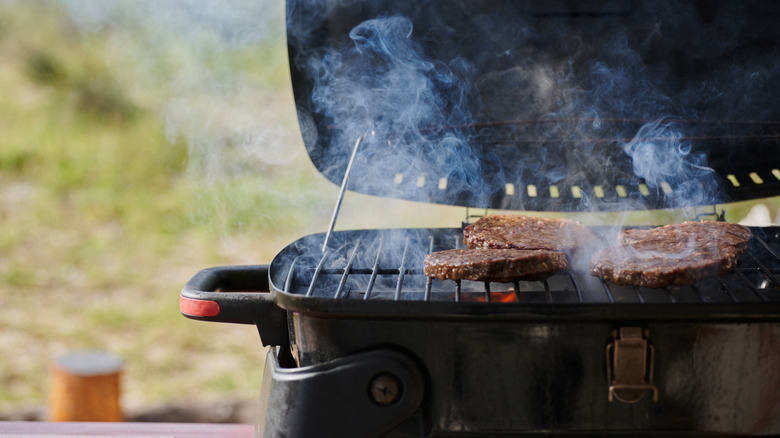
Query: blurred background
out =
(141, 141)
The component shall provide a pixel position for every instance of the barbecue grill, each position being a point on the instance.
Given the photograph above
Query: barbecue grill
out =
(515, 110)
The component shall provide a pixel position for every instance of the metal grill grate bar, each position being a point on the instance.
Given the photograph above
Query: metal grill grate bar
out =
(289, 278)
(750, 286)
(374, 271)
(368, 271)
(639, 295)
(724, 287)
(347, 269)
(401, 272)
(608, 291)
(547, 292)
(764, 270)
(576, 287)
(429, 281)
(767, 247)
(728, 292)
(699, 295)
(317, 272)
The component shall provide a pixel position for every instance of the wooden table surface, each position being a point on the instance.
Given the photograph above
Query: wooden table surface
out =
(42, 429)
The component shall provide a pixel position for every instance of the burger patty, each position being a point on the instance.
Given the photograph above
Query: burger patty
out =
(498, 265)
(735, 235)
(675, 254)
(525, 232)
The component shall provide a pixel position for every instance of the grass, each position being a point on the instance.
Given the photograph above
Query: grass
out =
(106, 210)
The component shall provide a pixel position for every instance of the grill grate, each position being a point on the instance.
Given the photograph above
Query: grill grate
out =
(387, 265)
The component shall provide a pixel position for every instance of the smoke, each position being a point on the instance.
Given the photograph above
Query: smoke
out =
(189, 53)
(660, 155)
(382, 88)
(215, 72)
(616, 102)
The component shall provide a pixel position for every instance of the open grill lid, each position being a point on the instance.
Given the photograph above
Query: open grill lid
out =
(541, 106)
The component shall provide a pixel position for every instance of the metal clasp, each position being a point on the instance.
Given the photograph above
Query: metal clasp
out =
(630, 365)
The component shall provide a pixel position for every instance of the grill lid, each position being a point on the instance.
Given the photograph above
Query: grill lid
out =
(532, 105)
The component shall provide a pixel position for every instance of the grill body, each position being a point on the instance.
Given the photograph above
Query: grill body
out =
(502, 377)
(540, 363)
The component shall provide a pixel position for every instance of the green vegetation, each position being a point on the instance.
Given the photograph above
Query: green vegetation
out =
(106, 210)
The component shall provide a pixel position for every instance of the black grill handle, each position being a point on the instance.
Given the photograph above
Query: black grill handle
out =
(236, 294)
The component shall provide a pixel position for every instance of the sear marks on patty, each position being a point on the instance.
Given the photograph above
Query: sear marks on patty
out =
(497, 265)
(677, 254)
(525, 232)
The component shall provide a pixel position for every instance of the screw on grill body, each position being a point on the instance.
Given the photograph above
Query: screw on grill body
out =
(385, 389)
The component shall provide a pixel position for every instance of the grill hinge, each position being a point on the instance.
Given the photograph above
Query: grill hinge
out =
(630, 365)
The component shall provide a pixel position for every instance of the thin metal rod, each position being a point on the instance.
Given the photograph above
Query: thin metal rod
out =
(341, 194)
(592, 140)
(639, 295)
(317, 271)
(764, 270)
(347, 271)
(288, 279)
(589, 120)
(457, 291)
(750, 286)
(766, 246)
(699, 294)
(428, 280)
(401, 273)
(576, 286)
(374, 271)
(547, 291)
(727, 290)
(607, 291)
(616, 120)
(517, 291)
(487, 291)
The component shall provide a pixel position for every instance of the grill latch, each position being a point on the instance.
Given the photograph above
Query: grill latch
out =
(630, 365)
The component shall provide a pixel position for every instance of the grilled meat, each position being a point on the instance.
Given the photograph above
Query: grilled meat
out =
(735, 235)
(525, 232)
(672, 255)
(499, 265)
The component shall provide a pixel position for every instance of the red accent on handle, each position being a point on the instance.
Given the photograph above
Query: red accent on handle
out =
(189, 306)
